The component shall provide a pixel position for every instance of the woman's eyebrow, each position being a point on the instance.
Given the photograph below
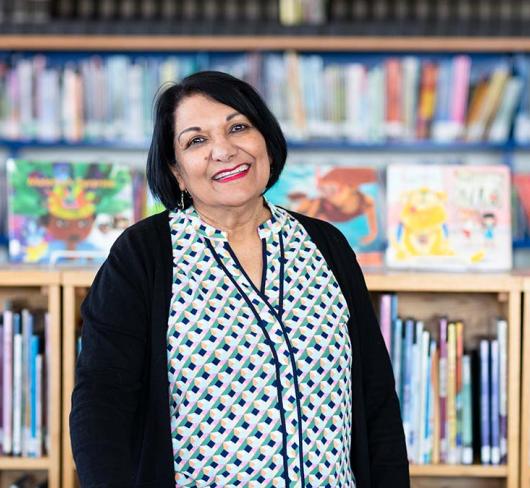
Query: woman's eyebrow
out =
(228, 117)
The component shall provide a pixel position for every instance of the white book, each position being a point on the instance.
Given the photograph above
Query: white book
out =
(415, 391)
(355, 101)
(38, 412)
(423, 392)
(411, 71)
(7, 394)
(17, 394)
(500, 127)
(502, 337)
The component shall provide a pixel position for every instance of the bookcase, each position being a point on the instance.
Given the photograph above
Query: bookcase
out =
(476, 299)
(39, 289)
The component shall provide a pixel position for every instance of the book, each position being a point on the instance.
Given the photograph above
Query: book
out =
(467, 412)
(485, 393)
(385, 319)
(349, 197)
(60, 211)
(449, 217)
(494, 405)
(7, 383)
(443, 384)
(502, 337)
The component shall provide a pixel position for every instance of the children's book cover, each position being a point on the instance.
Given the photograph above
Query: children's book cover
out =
(348, 197)
(449, 217)
(62, 211)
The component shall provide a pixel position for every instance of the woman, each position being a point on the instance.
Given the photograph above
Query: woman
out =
(228, 342)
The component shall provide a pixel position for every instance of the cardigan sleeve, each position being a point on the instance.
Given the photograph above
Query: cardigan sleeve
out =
(110, 371)
(386, 440)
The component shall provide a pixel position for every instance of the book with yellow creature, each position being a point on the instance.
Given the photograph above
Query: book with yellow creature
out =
(449, 217)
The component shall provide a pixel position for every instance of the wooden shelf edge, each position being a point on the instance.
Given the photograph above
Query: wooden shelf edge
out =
(261, 43)
(444, 470)
(440, 282)
(20, 276)
(18, 463)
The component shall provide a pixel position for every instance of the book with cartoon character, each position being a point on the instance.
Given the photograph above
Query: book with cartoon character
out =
(61, 211)
(348, 197)
(449, 217)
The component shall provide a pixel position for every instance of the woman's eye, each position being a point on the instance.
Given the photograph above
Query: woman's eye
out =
(239, 127)
(195, 140)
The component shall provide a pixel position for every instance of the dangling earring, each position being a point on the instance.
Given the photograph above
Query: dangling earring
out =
(181, 206)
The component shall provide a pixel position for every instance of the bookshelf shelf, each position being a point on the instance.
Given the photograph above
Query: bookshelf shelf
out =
(13, 463)
(40, 288)
(465, 471)
(260, 43)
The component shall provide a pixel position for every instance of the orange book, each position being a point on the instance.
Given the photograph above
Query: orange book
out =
(427, 101)
(394, 82)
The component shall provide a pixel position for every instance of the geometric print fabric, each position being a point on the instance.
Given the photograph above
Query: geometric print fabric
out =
(260, 387)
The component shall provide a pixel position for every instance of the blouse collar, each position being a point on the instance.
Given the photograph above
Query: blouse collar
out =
(271, 226)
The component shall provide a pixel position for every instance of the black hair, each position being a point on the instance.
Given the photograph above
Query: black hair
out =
(225, 89)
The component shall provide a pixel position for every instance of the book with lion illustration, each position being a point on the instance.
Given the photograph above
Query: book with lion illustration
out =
(348, 197)
(449, 217)
(62, 211)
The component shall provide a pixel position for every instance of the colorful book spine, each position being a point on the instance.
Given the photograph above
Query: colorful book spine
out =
(443, 391)
(485, 440)
(427, 102)
(451, 394)
(467, 412)
(494, 397)
(34, 351)
(394, 81)
(459, 387)
(7, 392)
(397, 343)
(502, 337)
(407, 383)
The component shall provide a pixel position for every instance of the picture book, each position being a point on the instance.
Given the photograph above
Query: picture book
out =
(62, 211)
(449, 217)
(348, 197)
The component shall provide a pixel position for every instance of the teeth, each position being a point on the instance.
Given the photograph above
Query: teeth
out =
(239, 169)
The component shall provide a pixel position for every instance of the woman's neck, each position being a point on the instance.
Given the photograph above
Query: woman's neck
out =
(240, 224)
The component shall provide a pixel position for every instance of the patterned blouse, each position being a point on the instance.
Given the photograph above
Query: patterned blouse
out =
(259, 379)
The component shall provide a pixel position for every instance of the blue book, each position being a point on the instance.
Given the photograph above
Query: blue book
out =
(34, 351)
(485, 440)
(397, 342)
(406, 361)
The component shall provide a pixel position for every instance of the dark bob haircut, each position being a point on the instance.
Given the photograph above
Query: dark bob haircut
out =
(225, 89)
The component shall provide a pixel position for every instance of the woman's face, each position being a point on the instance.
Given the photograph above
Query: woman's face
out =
(222, 158)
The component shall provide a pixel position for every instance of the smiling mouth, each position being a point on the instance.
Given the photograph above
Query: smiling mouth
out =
(238, 170)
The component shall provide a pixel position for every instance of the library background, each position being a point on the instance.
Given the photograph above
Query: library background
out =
(408, 125)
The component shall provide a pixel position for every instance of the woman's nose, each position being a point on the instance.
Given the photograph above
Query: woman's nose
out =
(223, 149)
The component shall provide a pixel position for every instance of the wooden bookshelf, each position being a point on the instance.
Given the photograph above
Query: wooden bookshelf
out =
(40, 289)
(525, 388)
(476, 298)
(262, 43)
(75, 285)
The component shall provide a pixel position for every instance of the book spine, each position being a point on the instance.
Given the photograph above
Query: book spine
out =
(494, 397)
(467, 412)
(27, 332)
(502, 337)
(32, 448)
(423, 411)
(443, 391)
(435, 382)
(407, 383)
(394, 81)
(7, 393)
(397, 344)
(459, 388)
(427, 103)
(416, 373)
(462, 68)
(17, 393)
(38, 409)
(385, 318)
(1, 387)
(485, 443)
(451, 393)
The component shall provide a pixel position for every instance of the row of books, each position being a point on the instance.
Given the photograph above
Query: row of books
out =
(453, 403)
(28, 480)
(366, 99)
(39, 11)
(286, 11)
(445, 217)
(24, 380)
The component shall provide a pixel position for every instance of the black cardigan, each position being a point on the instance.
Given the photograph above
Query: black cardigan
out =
(120, 424)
